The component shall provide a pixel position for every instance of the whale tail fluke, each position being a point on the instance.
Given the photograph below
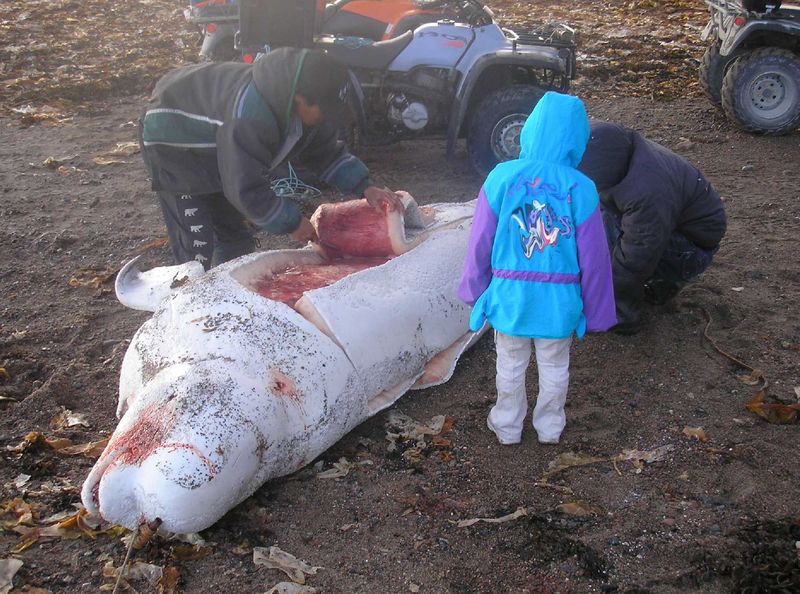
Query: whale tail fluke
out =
(146, 290)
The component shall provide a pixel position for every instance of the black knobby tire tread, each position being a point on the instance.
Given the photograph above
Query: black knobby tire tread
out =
(729, 105)
(711, 74)
(492, 104)
(228, 54)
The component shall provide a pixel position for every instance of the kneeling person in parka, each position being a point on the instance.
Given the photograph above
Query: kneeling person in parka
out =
(213, 134)
(663, 219)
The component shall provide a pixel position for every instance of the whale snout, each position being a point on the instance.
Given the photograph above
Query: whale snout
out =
(182, 482)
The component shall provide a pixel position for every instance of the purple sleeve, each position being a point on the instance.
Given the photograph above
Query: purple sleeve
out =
(478, 265)
(597, 287)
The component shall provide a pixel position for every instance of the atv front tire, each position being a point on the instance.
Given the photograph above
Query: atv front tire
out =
(712, 70)
(497, 124)
(761, 91)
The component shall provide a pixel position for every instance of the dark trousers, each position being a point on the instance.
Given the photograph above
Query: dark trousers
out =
(204, 227)
(681, 261)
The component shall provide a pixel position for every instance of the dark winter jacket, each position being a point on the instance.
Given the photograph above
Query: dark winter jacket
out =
(656, 193)
(224, 127)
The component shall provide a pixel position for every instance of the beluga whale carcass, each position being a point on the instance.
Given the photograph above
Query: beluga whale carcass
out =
(253, 369)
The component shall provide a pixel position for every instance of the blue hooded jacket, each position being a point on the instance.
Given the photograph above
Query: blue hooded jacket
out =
(537, 264)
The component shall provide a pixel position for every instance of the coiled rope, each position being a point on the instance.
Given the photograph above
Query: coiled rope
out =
(293, 187)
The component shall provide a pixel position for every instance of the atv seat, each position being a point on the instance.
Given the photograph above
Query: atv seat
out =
(374, 56)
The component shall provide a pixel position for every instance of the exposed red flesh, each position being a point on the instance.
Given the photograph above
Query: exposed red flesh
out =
(289, 285)
(354, 228)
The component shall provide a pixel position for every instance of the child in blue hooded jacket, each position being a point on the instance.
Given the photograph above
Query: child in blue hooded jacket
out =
(538, 266)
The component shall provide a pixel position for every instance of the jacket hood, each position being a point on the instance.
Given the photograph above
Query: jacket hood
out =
(275, 75)
(556, 131)
(607, 155)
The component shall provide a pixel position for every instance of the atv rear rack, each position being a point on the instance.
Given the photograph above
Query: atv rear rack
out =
(558, 36)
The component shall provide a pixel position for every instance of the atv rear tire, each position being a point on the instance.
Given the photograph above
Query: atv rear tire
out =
(497, 123)
(761, 91)
(712, 70)
(222, 50)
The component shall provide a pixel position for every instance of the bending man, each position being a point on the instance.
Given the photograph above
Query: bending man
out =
(213, 134)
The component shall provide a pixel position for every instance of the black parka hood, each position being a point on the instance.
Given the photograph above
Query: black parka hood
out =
(275, 76)
(608, 154)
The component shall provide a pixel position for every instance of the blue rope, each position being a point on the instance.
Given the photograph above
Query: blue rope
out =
(294, 187)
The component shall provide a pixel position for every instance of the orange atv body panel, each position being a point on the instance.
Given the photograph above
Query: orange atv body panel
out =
(390, 12)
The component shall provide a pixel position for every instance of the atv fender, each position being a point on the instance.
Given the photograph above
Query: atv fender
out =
(751, 29)
(465, 89)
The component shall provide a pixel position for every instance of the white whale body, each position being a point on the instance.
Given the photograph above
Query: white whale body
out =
(224, 388)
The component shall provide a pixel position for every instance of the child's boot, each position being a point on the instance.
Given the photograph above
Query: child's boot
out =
(507, 416)
(552, 359)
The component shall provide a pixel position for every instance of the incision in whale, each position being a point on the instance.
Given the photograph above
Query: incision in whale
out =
(353, 236)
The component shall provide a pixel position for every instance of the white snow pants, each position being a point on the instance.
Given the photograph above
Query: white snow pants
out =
(507, 416)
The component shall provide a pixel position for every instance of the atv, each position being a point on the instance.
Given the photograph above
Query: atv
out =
(463, 78)
(377, 20)
(752, 67)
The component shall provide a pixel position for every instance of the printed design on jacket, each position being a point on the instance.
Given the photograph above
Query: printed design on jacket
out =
(539, 226)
